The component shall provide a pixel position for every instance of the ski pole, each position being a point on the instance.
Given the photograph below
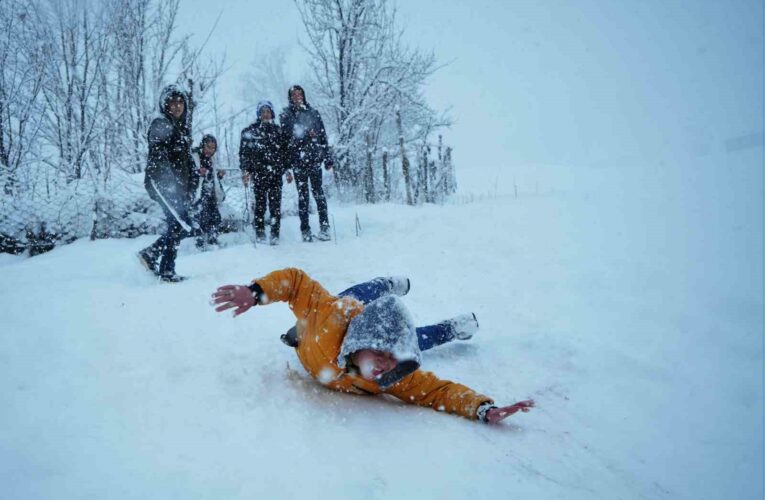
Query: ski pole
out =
(246, 226)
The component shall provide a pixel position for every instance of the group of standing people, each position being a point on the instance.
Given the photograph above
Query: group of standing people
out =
(295, 148)
(187, 186)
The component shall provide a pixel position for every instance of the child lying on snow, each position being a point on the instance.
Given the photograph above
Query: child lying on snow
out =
(364, 341)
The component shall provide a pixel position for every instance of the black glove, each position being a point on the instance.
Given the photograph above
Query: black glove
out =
(257, 293)
(290, 338)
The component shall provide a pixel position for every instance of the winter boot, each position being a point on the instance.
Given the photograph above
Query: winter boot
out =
(323, 234)
(148, 259)
(260, 237)
(464, 326)
(171, 278)
(307, 237)
(399, 285)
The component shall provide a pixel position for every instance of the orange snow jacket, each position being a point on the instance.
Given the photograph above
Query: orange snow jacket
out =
(322, 321)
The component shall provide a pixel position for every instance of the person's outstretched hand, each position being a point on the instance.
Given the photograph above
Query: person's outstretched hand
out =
(230, 296)
(496, 415)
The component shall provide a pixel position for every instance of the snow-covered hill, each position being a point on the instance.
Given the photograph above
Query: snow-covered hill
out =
(626, 300)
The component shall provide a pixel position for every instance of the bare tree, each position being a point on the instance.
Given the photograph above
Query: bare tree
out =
(363, 71)
(267, 78)
(79, 54)
(148, 54)
(79, 81)
(22, 61)
(404, 160)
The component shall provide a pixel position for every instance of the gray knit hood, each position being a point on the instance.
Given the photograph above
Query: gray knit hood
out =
(264, 103)
(385, 325)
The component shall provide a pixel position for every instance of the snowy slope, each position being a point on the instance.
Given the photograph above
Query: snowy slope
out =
(626, 300)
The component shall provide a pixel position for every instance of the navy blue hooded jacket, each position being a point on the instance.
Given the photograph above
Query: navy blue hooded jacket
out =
(303, 132)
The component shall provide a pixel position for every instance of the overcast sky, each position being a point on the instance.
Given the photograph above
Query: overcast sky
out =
(552, 82)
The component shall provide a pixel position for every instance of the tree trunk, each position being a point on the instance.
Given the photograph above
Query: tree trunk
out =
(424, 175)
(452, 180)
(3, 151)
(386, 176)
(432, 181)
(191, 106)
(404, 160)
(4, 156)
(369, 184)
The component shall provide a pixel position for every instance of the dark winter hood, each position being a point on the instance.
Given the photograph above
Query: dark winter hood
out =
(385, 325)
(265, 104)
(169, 91)
(205, 139)
(297, 87)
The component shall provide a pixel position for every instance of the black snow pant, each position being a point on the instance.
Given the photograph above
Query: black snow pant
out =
(267, 187)
(304, 175)
(209, 220)
(175, 205)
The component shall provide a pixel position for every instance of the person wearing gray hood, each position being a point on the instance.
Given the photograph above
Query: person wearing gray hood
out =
(363, 341)
(170, 181)
(261, 160)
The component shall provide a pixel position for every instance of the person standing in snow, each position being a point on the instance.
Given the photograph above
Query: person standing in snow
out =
(262, 162)
(209, 194)
(363, 340)
(170, 181)
(306, 148)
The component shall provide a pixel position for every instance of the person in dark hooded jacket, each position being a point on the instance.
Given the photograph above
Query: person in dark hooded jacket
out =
(209, 193)
(261, 160)
(170, 181)
(306, 148)
(363, 341)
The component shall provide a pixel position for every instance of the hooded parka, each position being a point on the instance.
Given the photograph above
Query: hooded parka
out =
(305, 148)
(170, 181)
(261, 156)
(303, 132)
(322, 322)
(169, 166)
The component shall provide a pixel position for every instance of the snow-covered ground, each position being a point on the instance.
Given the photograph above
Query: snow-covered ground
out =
(627, 300)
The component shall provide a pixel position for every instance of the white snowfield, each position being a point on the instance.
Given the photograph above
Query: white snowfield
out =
(627, 301)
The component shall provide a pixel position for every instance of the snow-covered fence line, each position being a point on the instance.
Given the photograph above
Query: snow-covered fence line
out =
(40, 214)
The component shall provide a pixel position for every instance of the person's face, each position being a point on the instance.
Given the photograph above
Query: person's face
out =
(297, 97)
(176, 107)
(373, 363)
(209, 149)
(266, 114)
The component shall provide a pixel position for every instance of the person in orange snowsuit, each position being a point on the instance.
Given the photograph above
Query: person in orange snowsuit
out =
(363, 340)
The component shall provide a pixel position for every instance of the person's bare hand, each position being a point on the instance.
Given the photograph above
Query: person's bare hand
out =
(496, 415)
(202, 171)
(245, 179)
(233, 296)
(289, 177)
